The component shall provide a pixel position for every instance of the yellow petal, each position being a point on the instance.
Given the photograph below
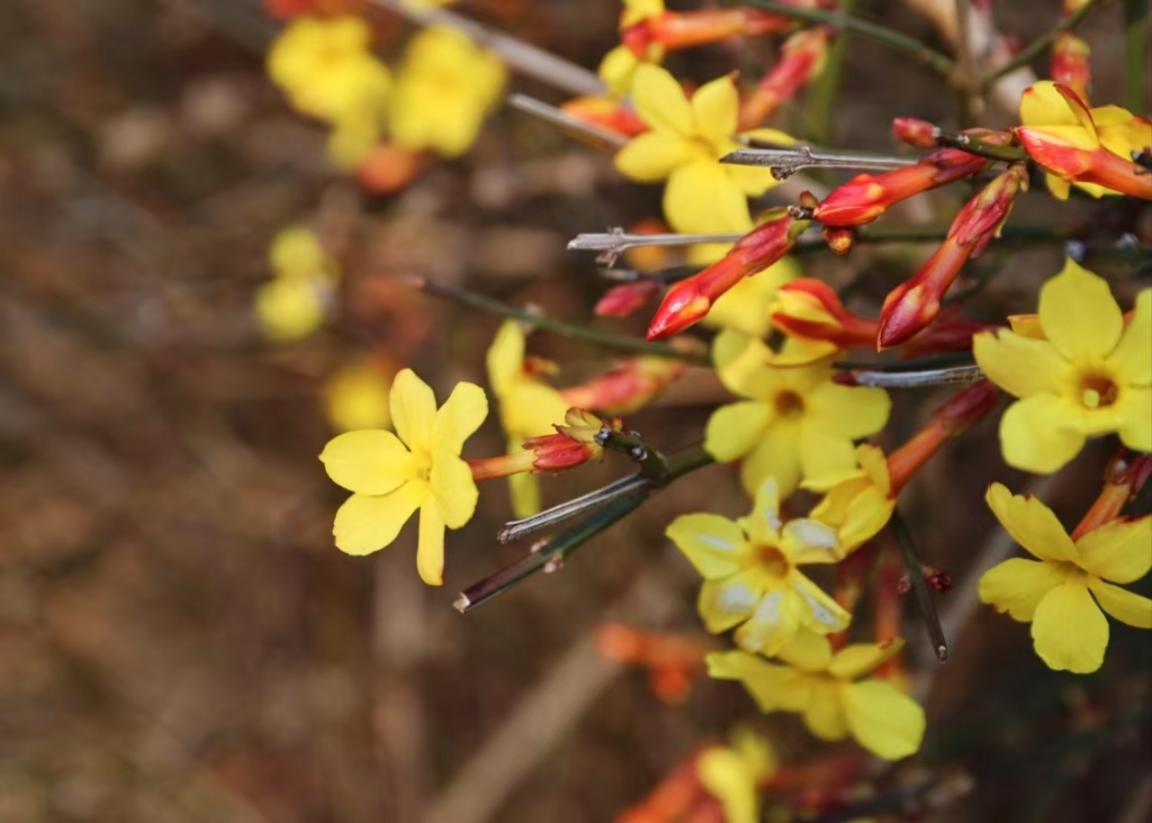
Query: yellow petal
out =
(1039, 434)
(1079, 314)
(820, 612)
(771, 686)
(413, 408)
(1136, 431)
(460, 416)
(726, 776)
(617, 68)
(505, 358)
(867, 513)
(430, 547)
(715, 107)
(1022, 366)
(847, 411)
(1031, 524)
(883, 719)
(772, 625)
(367, 523)
(735, 429)
(776, 455)
(373, 461)
(811, 541)
(824, 713)
(453, 488)
(296, 250)
(825, 459)
(860, 659)
(745, 306)
(653, 156)
(1069, 630)
(289, 308)
(724, 603)
(1120, 550)
(741, 363)
(713, 544)
(1042, 105)
(1127, 607)
(660, 101)
(1017, 586)
(763, 524)
(1132, 357)
(808, 651)
(524, 491)
(701, 197)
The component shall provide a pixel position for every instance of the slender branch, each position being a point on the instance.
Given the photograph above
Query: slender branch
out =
(1135, 53)
(917, 364)
(893, 39)
(924, 599)
(783, 163)
(518, 55)
(1037, 46)
(602, 137)
(974, 145)
(539, 320)
(949, 376)
(517, 529)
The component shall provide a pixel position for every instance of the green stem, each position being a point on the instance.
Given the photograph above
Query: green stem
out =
(1037, 46)
(529, 317)
(940, 63)
(1135, 54)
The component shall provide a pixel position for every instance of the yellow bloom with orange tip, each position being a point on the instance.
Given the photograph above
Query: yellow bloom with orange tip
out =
(1089, 376)
(528, 407)
(1062, 592)
(444, 88)
(795, 424)
(419, 467)
(327, 69)
(356, 396)
(733, 773)
(831, 692)
(296, 301)
(751, 574)
(685, 140)
(860, 504)
(1091, 148)
(619, 65)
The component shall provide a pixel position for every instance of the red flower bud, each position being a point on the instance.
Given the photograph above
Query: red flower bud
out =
(1070, 63)
(801, 58)
(613, 115)
(914, 132)
(627, 388)
(810, 308)
(680, 30)
(621, 301)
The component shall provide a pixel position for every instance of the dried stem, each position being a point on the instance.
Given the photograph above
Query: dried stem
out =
(601, 137)
(924, 599)
(783, 163)
(952, 375)
(1037, 46)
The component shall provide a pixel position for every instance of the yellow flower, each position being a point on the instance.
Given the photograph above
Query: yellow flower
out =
(356, 397)
(860, 504)
(296, 301)
(443, 90)
(528, 408)
(1055, 593)
(745, 306)
(618, 68)
(327, 69)
(419, 467)
(795, 423)
(828, 691)
(751, 574)
(1090, 375)
(684, 143)
(732, 774)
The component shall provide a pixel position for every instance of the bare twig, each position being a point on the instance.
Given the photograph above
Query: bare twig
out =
(601, 137)
(783, 163)
(914, 379)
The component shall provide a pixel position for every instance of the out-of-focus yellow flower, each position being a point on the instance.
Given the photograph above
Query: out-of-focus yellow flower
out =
(392, 475)
(828, 691)
(859, 505)
(1090, 375)
(619, 65)
(296, 301)
(326, 68)
(356, 397)
(444, 88)
(751, 574)
(1091, 148)
(732, 774)
(685, 140)
(1055, 592)
(796, 424)
(528, 408)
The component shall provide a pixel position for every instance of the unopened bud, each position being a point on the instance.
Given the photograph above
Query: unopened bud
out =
(915, 132)
(621, 301)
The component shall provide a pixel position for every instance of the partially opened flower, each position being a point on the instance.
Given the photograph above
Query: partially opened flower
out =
(1091, 148)
(685, 141)
(419, 467)
(795, 423)
(860, 504)
(444, 88)
(529, 407)
(1063, 591)
(831, 691)
(1089, 375)
(733, 774)
(751, 574)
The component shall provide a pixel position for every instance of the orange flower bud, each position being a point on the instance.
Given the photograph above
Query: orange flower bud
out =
(915, 303)
(840, 239)
(1098, 165)
(389, 168)
(680, 30)
(866, 196)
(611, 114)
(573, 444)
(1070, 63)
(689, 300)
(809, 308)
(801, 59)
(914, 132)
(1124, 481)
(621, 301)
(627, 388)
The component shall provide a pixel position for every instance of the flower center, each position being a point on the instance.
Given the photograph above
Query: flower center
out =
(789, 404)
(421, 464)
(773, 561)
(1097, 391)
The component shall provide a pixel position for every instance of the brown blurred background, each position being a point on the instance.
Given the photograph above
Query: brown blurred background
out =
(180, 640)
